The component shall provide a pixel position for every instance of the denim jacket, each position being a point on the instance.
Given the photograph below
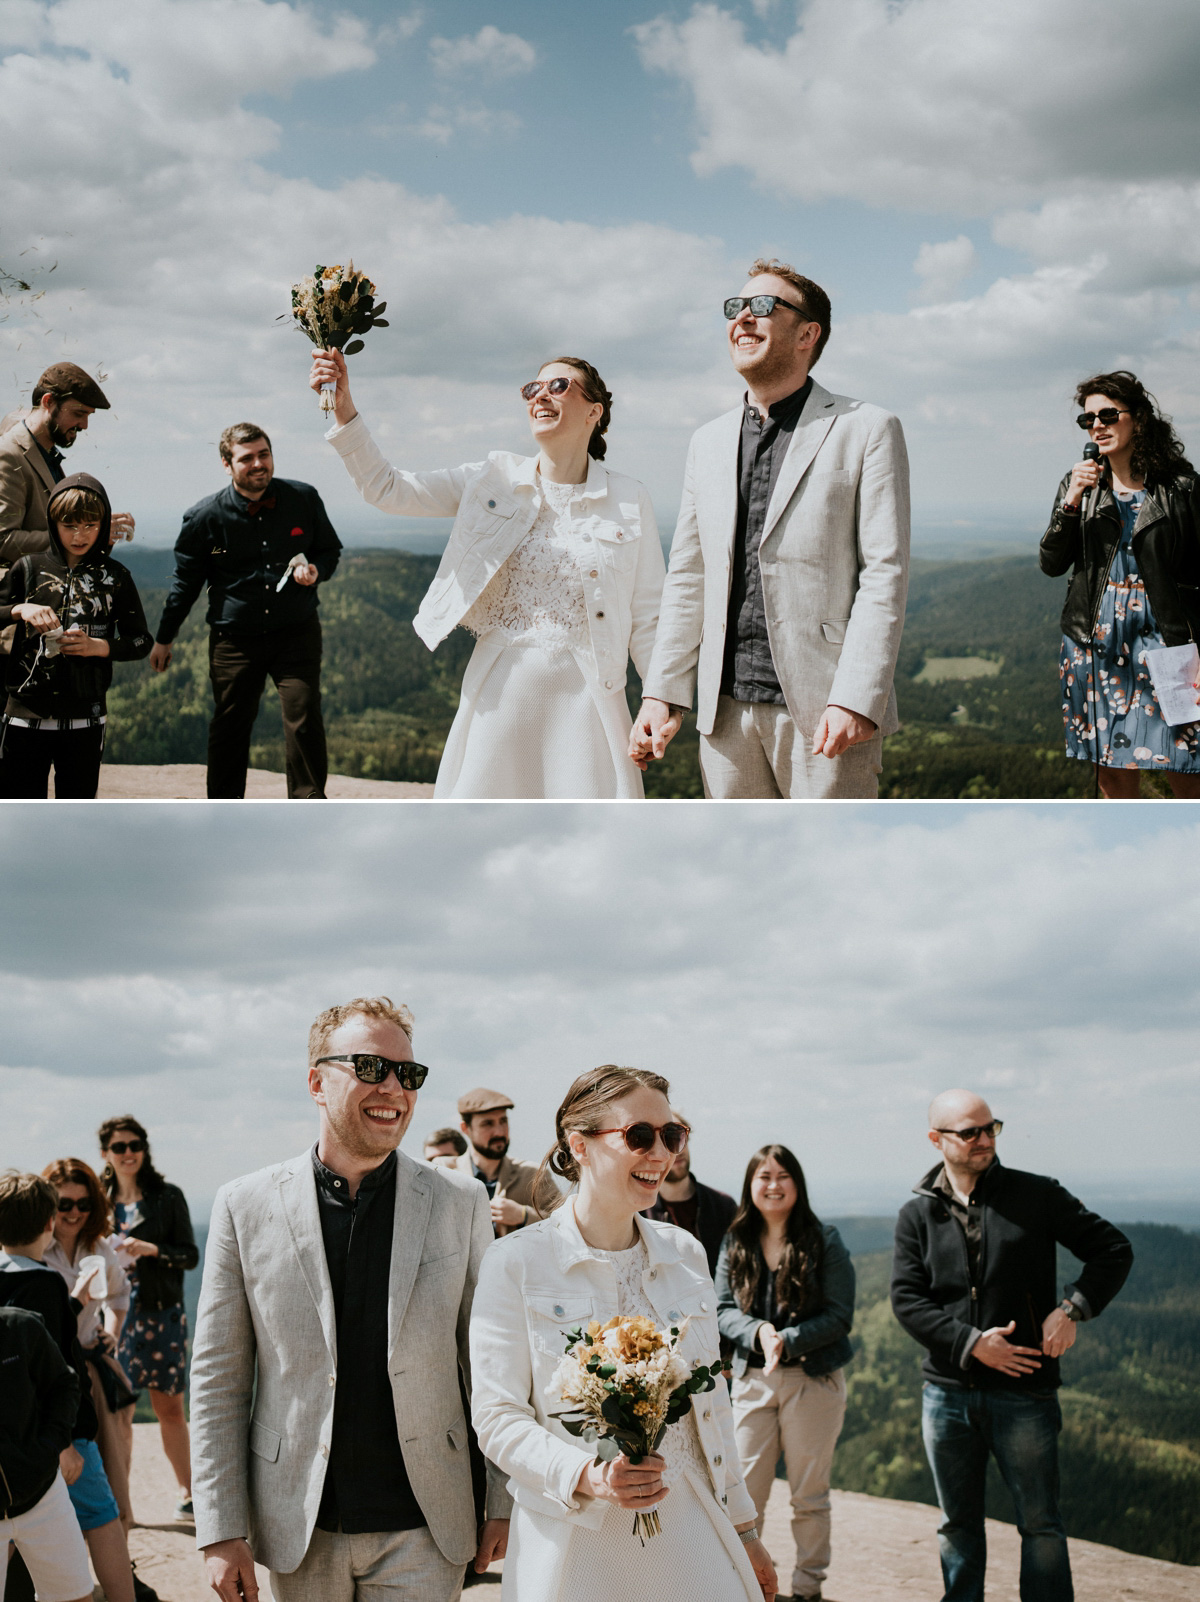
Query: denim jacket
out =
(818, 1343)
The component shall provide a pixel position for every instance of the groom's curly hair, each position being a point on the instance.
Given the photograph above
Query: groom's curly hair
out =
(333, 1018)
(583, 1110)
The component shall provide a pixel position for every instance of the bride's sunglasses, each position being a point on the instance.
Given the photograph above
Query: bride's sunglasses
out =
(640, 1137)
(552, 386)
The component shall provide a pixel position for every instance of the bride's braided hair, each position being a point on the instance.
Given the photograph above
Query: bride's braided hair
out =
(594, 388)
(583, 1110)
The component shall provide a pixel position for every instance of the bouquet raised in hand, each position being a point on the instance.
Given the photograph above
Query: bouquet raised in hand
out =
(336, 305)
(628, 1383)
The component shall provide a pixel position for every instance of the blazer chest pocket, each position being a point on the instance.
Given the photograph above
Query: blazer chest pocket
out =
(264, 1443)
(616, 543)
(552, 1318)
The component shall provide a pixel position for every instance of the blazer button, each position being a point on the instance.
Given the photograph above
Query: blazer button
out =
(707, 1414)
(324, 1450)
(717, 1460)
(333, 1379)
(704, 1307)
(558, 1312)
(653, 1273)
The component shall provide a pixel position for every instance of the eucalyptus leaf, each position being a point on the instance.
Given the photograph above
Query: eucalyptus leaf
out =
(607, 1450)
(353, 347)
(382, 307)
(380, 322)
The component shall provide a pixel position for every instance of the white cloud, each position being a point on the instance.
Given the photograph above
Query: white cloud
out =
(942, 267)
(500, 55)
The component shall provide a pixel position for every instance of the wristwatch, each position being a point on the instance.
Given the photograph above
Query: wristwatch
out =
(748, 1535)
(1070, 1309)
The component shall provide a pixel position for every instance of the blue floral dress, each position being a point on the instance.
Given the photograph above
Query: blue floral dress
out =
(1109, 705)
(153, 1347)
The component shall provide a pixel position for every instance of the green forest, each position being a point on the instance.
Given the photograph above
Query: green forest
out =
(1130, 1448)
(389, 702)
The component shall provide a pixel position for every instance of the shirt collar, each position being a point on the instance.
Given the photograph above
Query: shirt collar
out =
(572, 1248)
(595, 486)
(790, 406)
(12, 1263)
(335, 1185)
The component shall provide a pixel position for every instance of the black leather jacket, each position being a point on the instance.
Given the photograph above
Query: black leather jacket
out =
(1166, 546)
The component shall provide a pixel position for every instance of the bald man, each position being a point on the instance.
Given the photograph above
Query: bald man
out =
(974, 1281)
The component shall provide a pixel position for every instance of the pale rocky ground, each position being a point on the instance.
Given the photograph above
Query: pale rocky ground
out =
(882, 1550)
(184, 781)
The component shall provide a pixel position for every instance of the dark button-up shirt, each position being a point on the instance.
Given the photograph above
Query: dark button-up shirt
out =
(52, 458)
(367, 1488)
(749, 672)
(241, 550)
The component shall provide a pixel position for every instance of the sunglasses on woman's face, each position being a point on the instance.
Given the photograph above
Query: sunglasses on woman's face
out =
(374, 1070)
(122, 1146)
(552, 386)
(1106, 415)
(68, 1204)
(640, 1137)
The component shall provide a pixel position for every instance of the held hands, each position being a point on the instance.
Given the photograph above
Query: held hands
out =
(1084, 476)
(1058, 1333)
(993, 1349)
(493, 1544)
(230, 1569)
(329, 367)
(771, 1343)
(655, 726)
(635, 1485)
(839, 729)
(760, 1562)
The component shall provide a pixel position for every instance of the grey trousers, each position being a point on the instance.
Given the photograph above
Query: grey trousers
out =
(396, 1566)
(756, 752)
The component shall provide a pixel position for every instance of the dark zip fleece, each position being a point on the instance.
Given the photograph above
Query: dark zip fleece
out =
(98, 596)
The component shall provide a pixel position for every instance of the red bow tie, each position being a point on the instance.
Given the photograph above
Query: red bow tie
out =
(255, 507)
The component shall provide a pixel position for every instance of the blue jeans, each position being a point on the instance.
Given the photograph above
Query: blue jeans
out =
(1021, 1430)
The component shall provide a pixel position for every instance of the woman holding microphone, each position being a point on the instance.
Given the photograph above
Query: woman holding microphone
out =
(1125, 523)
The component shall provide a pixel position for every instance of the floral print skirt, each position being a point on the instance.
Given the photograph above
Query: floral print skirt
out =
(153, 1349)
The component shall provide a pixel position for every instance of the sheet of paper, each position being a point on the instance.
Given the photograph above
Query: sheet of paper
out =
(1172, 669)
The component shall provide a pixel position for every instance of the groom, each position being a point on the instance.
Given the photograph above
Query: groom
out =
(784, 602)
(329, 1439)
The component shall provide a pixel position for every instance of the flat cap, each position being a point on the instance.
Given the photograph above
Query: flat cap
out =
(64, 378)
(481, 1101)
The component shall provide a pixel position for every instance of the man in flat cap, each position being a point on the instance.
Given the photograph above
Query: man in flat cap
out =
(64, 397)
(509, 1184)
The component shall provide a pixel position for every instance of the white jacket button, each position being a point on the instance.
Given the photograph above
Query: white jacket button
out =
(595, 573)
(558, 1312)
(674, 1313)
(491, 506)
(599, 614)
(704, 1307)
(608, 684)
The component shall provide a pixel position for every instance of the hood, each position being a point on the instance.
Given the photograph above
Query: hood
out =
(98, 551)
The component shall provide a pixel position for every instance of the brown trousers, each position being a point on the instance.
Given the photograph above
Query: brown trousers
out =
(239, 666)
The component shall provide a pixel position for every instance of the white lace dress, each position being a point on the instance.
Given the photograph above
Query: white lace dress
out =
(528, 727)
(692, 1558)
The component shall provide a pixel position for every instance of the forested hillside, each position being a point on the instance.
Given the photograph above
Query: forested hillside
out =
(389, 701)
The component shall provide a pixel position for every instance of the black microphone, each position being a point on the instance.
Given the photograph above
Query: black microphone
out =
(1091, 453)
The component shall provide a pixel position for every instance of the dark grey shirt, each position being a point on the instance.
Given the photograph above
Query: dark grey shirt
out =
(749, 671)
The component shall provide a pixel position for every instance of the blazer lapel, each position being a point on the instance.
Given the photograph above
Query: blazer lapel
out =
(414, 1203)
(719, 487)
(809, 435)
(298, 1193)
(36, 460)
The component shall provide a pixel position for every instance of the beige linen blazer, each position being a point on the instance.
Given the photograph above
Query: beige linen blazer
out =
(26, 485)
(516, 1181)
(834, 560)
(265, 1363)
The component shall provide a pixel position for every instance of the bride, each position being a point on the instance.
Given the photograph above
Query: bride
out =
(571, 1538)
(553, 562)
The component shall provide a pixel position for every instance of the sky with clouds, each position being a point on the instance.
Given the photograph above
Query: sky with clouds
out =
(812, 975)
(999, 199)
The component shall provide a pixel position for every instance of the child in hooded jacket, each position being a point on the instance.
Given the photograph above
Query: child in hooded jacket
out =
(77, 611)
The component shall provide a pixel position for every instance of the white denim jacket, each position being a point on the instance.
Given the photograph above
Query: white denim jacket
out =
(494, 504)
(535, 1285)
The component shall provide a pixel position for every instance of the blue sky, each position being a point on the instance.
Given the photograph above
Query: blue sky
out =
(530, 178)
(810, 974)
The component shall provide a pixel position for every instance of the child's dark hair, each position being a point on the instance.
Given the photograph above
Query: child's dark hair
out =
(28, 1204)
(77, 504)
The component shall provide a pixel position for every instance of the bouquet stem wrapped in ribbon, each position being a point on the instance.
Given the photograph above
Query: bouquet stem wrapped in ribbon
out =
(335, 305)
(628, 1383)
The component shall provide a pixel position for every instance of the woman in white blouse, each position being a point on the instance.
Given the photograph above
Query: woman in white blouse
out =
(554, 564)
(571, 1537)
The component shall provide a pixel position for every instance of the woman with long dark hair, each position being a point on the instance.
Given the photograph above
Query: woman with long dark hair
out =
(595, 1256)
(1127, 526)
(553, 563)
(83, 1228)
(785, 1300)
(156, 1241)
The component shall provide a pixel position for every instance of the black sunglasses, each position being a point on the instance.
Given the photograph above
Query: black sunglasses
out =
(972, 1134)
(1106, 415)
(374, 1070)
(68, 1204)
(760, 306)
(122, 1146)
(640, 1137)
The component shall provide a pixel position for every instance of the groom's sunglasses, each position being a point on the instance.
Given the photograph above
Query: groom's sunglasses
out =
(760, 306)
(374, 1070)
(640, 1137)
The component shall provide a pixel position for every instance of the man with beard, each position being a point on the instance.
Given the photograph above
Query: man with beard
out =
(261, 545)
(683, 1201)
(64, 398)
(784, 601)
(330, 1374)
(509, 1184)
